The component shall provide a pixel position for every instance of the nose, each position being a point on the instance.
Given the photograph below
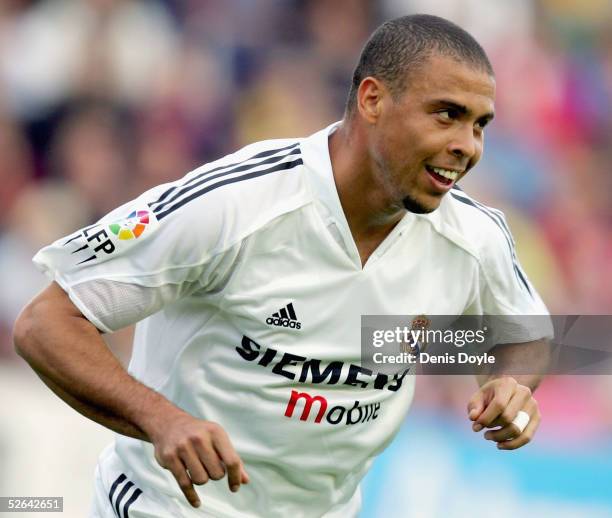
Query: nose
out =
(465, 144)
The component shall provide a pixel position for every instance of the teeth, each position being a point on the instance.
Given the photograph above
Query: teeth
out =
(451, 175)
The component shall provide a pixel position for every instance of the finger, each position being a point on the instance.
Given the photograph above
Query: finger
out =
(193, 464)
(502, 395)
(521, 400)
(525, 437)
(230, 458)
(476, 405)
(209, 458)
(177, 469)
(244, 477)
(505, 433)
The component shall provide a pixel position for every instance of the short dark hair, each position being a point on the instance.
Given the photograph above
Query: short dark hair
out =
(402, 45)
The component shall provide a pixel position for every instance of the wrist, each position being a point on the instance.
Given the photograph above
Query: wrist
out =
(151, 413)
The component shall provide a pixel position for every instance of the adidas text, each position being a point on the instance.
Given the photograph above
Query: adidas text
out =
(283, 322)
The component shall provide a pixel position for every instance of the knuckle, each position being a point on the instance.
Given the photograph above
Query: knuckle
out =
(509, 380)
(212, 427)
(232, 461)
(197, 440)
(182, 447)
(496, 405)
(185, 484)
(506, 417)
(167, 456)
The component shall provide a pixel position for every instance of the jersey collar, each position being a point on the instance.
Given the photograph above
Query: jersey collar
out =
(315, 154)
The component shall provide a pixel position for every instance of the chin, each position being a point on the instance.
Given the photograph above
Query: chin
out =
(418, 207)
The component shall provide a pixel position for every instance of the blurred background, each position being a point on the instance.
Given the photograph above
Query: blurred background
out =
(102, 99)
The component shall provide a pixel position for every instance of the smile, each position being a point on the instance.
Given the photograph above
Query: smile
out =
(449, 174)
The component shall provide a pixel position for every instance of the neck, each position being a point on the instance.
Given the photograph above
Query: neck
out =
(370, 213)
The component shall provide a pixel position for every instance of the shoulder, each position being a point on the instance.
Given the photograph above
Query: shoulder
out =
(482, 230)
(235, 195)
(217, 205)
(479, 224)
(265, 171)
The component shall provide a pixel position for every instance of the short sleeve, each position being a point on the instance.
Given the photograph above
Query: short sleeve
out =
(131, 263)
(515, 310)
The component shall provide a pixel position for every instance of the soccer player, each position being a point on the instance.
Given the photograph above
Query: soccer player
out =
(248, 278)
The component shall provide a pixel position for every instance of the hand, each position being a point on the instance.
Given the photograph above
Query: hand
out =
(195, 451)
(496, 404)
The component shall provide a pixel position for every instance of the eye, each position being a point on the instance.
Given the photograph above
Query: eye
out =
(448, 114)
(480, 125)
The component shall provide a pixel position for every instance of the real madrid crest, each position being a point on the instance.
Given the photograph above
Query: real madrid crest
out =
(418, 336)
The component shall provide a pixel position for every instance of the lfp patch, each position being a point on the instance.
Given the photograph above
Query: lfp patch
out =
(132, 226)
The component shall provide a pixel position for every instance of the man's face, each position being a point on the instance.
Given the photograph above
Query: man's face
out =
(434, 131)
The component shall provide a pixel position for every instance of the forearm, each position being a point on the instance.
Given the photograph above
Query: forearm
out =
(69, 355)
(114, 423)
(527, 363)
(529, 380)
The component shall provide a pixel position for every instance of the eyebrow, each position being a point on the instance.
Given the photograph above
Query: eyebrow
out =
(464, 110)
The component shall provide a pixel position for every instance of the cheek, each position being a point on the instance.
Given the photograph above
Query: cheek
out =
(478, 150)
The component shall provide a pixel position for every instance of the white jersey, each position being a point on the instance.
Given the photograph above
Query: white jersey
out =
(248, 291)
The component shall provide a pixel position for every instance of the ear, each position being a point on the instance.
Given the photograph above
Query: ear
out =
(370, 95)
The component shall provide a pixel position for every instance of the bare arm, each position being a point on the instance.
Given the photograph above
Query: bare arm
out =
(527, 363)
(70, 356)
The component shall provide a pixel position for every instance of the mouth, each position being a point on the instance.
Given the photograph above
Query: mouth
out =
(442, 178)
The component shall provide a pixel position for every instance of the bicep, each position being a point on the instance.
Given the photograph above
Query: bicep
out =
(54, 296)
(51, 306)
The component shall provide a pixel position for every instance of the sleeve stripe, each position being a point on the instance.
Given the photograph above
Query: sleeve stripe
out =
(206, 177)
(126, 488)
(132, 499)
(228, 166)
(118, 481)
(196, 194)
(121, 496)
(499, 221)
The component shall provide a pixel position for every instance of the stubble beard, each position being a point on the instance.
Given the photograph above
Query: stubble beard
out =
(408, 202)
(414, 206)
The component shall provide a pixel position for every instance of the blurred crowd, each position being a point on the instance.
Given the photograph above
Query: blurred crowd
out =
(102, 99)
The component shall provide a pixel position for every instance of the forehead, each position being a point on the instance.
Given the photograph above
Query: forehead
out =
(442, 77)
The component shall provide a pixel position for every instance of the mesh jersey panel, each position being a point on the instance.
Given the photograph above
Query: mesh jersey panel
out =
(119, 304)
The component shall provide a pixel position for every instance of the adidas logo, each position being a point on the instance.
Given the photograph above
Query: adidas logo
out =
(285, 317)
